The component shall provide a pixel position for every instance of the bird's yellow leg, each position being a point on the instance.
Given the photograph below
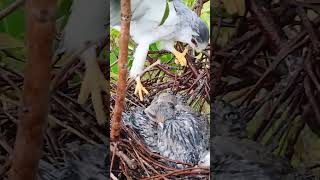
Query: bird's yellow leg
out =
(140, 89)
(180, 57)
(93, 83)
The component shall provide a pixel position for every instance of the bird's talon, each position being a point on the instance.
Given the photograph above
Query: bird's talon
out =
(185, 51)
(139, 89)
(180, 57)
(93, 83)
(176, 61)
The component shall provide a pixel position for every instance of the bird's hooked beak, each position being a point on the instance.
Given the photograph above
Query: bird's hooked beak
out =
(201, 47)
(197, 46)
(155, 118)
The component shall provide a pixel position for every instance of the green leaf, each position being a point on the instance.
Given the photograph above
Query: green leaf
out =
(63, 13)
(189, 3)
(153, 47)
(14, 23)
(166, 13)
(205, 14)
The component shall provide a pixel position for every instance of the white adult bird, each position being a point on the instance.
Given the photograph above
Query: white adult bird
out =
(148, 25)
(87, 23)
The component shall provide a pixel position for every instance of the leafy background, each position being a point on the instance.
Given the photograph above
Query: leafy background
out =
(13, 30)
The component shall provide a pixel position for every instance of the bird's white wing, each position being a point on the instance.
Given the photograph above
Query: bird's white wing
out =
(145, 29)
(141, 10)
(85, 24)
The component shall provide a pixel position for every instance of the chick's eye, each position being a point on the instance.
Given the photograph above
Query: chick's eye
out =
(194, 42)
(171, 105)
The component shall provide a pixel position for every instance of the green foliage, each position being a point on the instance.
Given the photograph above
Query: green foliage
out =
(12, 37)
(14, 24)
(189, 2)
(166, 13)
(63, 13)
(205, 13)
(13, 32)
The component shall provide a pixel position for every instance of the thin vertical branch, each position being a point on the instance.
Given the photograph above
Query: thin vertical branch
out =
(122, 65)
(29, 139)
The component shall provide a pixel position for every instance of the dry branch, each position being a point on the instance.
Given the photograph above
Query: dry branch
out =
(123, 59)
(29, 139)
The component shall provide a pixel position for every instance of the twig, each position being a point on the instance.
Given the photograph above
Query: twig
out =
(113, 177)
(197, 7)
(71, 129)
(12, 7)
(4, 144)
(131, 163)
(267, 24)
(123, 59)
(310, 28)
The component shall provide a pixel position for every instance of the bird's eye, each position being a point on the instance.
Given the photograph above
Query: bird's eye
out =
(171, 105)
(194, 42)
